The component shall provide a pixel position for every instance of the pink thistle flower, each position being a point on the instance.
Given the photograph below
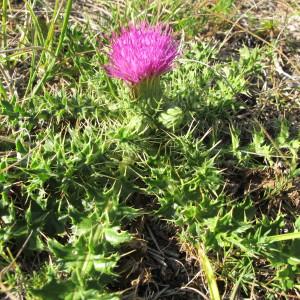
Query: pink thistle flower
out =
(141, 53)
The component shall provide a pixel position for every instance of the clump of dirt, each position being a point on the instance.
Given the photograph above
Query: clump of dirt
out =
(156, 266)
(269, 190)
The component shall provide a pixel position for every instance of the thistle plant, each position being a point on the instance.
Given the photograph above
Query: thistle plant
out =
(140, 55)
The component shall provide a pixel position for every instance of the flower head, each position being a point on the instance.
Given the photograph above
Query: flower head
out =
(142, 52)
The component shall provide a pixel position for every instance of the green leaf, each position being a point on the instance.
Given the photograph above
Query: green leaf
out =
(104, 265)
(54, 290)
(297, 223)
(20, 147)
(116, 237)
(59, 250)
(172, 118)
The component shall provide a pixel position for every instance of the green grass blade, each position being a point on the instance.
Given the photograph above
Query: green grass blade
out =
(2, 90)
(4, 21)
(65, 25)
(235, 289)
(50, 35)
(59, 46)
(47, 47)
(209, 274)
(283, 237)
(35, 22)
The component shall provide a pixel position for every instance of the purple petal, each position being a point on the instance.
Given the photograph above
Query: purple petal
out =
(141, 51)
